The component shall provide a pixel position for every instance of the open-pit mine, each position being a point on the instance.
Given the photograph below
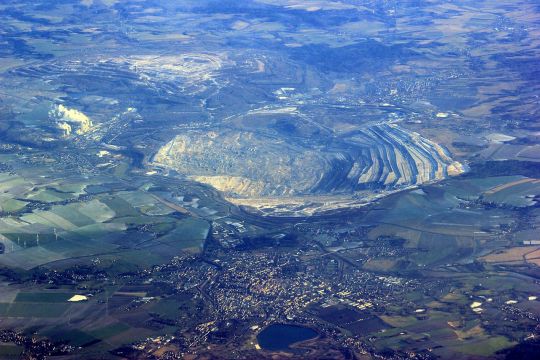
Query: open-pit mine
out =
(247, 165)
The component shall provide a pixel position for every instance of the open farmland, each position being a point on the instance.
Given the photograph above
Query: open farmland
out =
(94, 224)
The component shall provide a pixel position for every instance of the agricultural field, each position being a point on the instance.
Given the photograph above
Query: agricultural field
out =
(517, 255)
(10, 351)
(86, 221)
(452, 222)
(84, 324)
(65, 225)
(451, 321)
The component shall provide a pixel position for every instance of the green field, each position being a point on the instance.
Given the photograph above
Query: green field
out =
(109, 331)
(72, 336)
(43, 297)
(485, 347)
(29, 310)
(10, 351)
(100, 226)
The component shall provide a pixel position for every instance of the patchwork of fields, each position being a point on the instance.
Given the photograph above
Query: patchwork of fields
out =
(62, 222)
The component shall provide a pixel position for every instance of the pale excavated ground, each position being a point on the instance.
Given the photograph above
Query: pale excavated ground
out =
(266, 172)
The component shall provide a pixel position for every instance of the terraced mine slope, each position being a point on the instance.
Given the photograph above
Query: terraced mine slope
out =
(246, 164)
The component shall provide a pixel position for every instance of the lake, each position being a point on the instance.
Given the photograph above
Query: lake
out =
(278, 337)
